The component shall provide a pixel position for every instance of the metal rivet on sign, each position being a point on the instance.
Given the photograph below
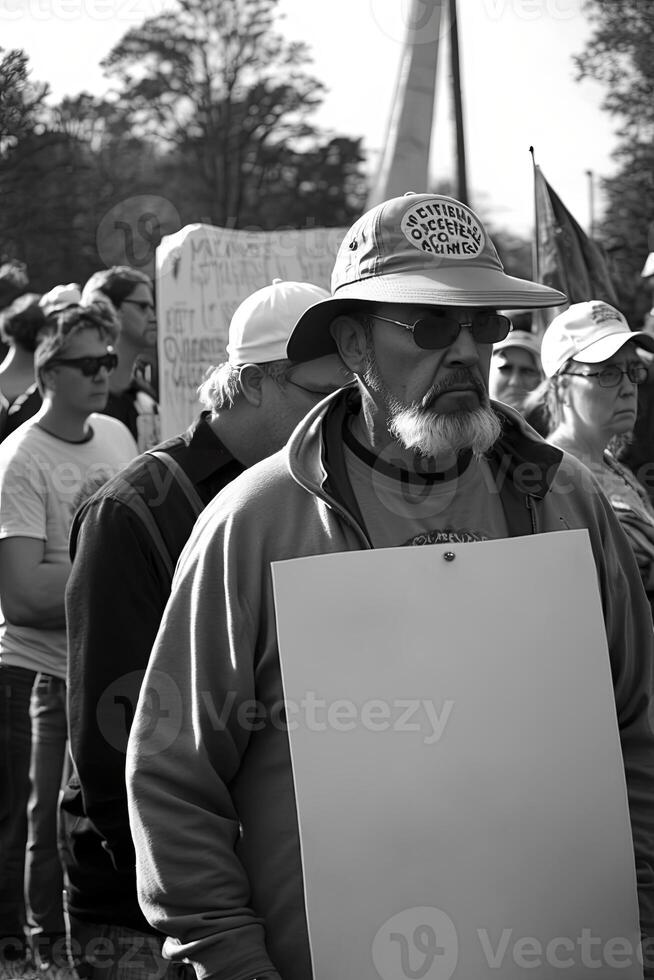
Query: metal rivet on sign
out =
(449, 556)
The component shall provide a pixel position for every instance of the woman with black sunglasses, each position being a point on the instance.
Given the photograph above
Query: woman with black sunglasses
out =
(48, 467)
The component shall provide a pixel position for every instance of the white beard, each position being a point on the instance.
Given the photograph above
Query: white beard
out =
(419, 429)
(424, 432)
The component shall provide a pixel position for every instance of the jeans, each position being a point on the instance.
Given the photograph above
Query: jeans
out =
(49, 770)
(15, 742)
(111, 952)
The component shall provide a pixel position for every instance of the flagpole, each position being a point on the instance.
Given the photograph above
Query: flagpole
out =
(535, 261)
(591, 203)
(404, 160)
(537, 317)
(462, 180)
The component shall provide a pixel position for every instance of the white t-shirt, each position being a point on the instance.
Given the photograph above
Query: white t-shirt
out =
(43, 481)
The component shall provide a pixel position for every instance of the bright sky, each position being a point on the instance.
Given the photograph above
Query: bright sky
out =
(518, 83)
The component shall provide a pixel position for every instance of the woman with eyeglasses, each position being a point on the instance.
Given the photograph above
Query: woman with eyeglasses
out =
(589, 399)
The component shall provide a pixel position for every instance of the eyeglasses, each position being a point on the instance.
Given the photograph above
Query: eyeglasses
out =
(611, 377)
(90, 366)
(142, 304)
(435, 331)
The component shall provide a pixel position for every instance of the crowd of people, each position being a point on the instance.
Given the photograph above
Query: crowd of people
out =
(400, 409)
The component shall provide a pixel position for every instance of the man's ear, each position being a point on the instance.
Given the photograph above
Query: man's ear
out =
(250, 379)
(352, 342)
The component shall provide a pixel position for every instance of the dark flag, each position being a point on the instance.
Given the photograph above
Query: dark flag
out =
(567, 258)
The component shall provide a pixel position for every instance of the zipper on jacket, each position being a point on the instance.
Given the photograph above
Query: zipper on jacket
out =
(532, 513)
(345, 515)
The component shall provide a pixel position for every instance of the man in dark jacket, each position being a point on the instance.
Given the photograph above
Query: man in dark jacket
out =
(125, 543)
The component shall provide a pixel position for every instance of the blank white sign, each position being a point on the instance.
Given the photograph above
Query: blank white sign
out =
(459, 779)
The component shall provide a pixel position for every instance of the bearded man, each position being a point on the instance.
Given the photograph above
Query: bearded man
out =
(413, 453)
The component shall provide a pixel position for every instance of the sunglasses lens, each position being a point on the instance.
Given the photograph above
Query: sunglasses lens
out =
(435, 332)
(490, 328)
(90, 366)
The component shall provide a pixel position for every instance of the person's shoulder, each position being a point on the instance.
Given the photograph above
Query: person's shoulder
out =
(22, 440)
(114, 432)
(107, 424)
(257, 492)
(266, 476)
(145, 479)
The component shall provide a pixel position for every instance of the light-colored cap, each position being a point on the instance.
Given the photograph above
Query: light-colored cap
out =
(262, 324)
(418, 249)
(590, 332)
(522, 339)
(59, 297)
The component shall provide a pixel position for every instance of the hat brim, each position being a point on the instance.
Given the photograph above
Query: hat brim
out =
(480, 287)
(600, 350)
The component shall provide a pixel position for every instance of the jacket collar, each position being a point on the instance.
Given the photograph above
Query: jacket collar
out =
(523, 463)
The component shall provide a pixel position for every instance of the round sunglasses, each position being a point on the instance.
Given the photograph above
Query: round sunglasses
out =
(436, 331)
(90, 366)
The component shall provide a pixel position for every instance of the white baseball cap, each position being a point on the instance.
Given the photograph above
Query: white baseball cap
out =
(261, 326)
(417, 249)
(59, 297)
(592, 332)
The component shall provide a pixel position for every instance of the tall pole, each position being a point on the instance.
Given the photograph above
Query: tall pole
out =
(591, 203)
(535, 255)
(461, 177)
(537, 317)
(404, 162)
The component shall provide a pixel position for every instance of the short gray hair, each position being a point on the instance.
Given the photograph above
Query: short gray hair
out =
(221, 387)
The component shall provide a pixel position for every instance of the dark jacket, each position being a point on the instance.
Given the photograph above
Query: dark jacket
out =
(125, 542)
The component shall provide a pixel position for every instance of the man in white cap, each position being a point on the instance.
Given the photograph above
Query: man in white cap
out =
(413, 454)
(125, 542)
(59, 297)
(515, 368)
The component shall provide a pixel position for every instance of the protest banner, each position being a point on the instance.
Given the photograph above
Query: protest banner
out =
(203, 274)
(458, 770)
